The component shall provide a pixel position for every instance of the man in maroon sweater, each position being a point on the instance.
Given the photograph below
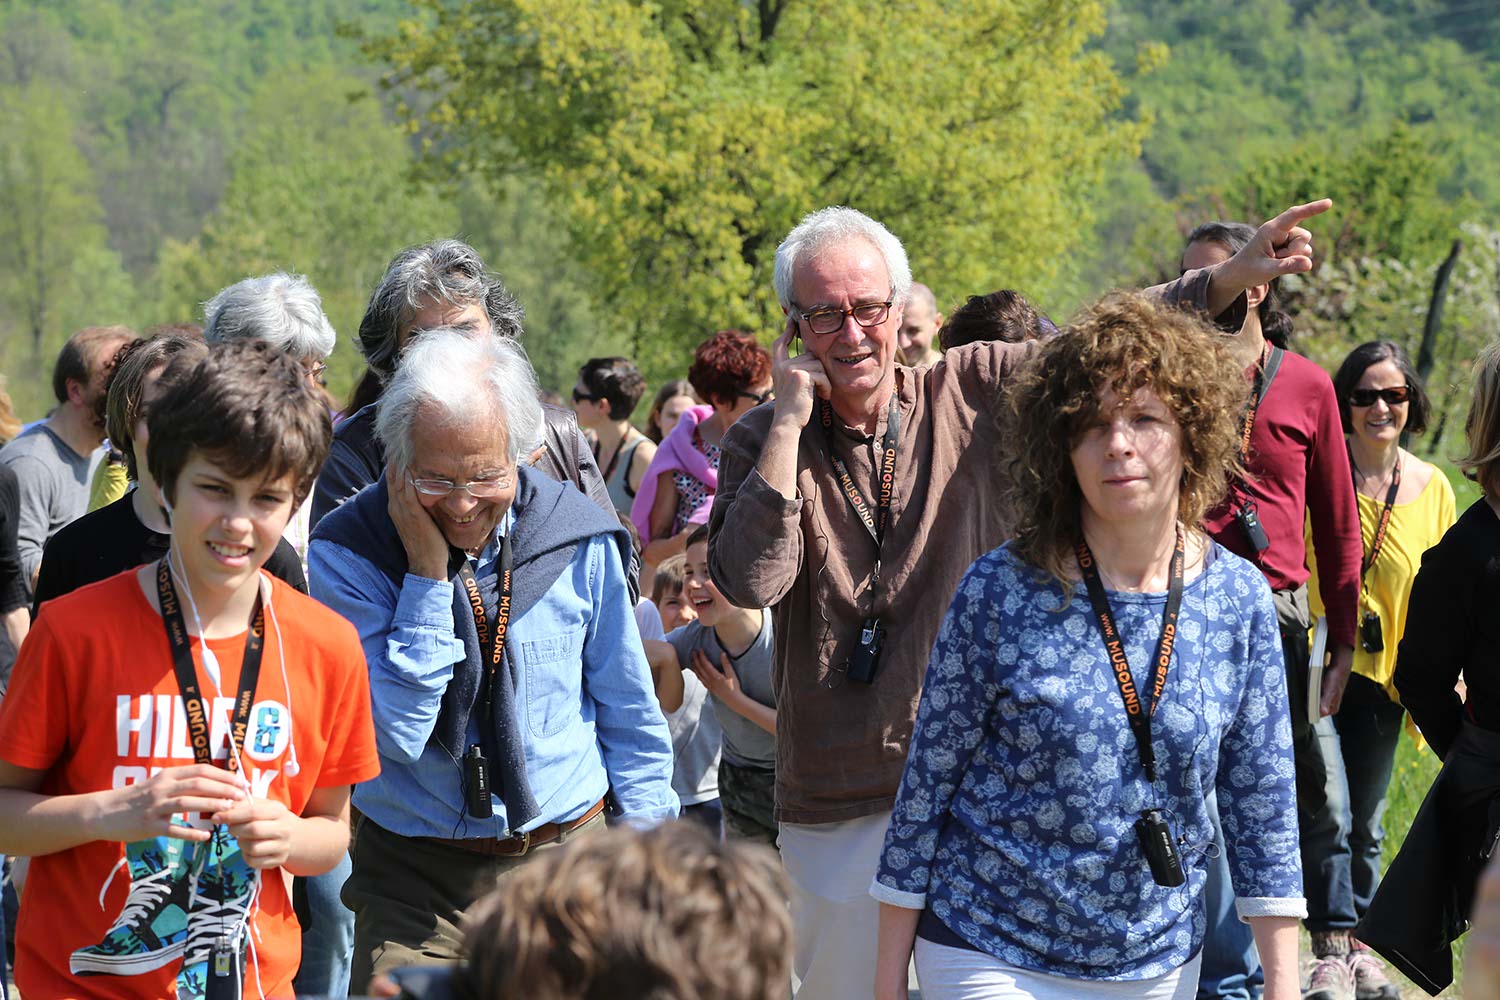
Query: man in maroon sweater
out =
(1298, 472)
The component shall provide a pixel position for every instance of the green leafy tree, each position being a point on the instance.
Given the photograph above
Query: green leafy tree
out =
(55, 263)
(680, 140)
(321, 186)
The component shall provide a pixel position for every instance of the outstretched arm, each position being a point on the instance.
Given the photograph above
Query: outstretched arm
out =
(1279, 247)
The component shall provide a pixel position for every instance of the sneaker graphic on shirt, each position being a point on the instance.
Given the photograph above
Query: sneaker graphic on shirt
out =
(220, 909)
(152, 928)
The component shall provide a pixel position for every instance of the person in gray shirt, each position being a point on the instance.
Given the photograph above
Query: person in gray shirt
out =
(52, 459)
(729, 650)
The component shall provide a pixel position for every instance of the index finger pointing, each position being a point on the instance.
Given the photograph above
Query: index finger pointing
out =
(1294, 215)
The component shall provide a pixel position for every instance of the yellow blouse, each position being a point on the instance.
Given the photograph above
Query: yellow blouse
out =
(1415, 527)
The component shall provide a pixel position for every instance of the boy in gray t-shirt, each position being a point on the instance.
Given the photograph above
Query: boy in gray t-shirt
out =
(729, 650)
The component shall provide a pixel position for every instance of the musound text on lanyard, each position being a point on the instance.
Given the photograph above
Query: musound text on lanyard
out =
(874, 523)
(492, 647)
(199, 727)
(1138, 713)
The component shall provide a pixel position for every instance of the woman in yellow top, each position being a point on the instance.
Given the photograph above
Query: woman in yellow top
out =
(1380, 396)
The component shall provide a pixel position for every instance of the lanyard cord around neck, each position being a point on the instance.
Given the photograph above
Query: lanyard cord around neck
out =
(491, 647)
(198, 719)
(1385, 515)
(875, 523)
(1137, 713)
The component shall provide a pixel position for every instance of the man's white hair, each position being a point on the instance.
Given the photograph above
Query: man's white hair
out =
(831, 227)
(461, 375)
(283, 311)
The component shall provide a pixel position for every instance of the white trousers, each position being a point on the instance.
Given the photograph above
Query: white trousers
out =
(948, 973)
(830, 867)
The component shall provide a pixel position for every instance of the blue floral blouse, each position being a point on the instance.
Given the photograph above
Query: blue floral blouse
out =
(1014, 823)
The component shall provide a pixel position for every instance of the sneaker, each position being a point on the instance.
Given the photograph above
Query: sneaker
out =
(223, 898)
(152, 928)
(1329, 978)
(1370, 980)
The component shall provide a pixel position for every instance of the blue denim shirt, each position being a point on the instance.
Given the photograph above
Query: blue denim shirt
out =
(591, 719)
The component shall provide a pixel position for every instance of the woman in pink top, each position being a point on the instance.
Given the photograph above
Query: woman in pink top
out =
(733, 374)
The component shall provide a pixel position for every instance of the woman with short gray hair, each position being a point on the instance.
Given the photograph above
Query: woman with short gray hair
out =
(283, 311)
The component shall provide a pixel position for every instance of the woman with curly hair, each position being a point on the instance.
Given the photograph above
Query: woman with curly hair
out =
(1094, 681)
(732, 374)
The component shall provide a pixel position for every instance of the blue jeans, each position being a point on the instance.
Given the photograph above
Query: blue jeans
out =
(1231, 968)
(1362, 754)
(327, 935)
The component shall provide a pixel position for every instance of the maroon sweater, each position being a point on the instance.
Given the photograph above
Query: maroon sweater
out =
(1299, 467)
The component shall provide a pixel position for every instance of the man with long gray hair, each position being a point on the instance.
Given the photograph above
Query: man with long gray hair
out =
(852, 506)
(509, 686)
(443, 283)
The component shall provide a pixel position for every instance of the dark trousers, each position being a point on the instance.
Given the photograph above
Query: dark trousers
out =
(409, 895)
(1363, 754)
(748, 795)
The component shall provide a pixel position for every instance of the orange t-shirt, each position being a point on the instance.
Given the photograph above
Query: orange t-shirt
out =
(120, 913)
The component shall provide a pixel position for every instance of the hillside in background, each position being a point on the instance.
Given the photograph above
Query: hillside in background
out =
(150, 154)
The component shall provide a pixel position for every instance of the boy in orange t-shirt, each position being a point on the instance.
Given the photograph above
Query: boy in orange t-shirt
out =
(154, 876)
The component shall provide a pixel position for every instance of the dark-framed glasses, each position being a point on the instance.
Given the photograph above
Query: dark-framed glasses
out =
(579, 397)
(1393, 396)
(759, 397)
(479, 489)
(827, 319)
(315, 371)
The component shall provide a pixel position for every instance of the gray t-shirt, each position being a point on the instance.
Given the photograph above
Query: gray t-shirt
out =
(54, 481)
(695, 733)
(745, 743)
(696, 738)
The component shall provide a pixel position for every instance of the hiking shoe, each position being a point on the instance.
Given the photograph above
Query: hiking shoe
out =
(1329, 979)
(1370, 980)
(152, 928)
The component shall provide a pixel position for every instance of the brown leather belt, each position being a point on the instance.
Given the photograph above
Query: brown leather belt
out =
(516, 847)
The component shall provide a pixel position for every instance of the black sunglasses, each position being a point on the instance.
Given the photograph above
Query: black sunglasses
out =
(759, 397)
(1392, 396)
(579, 397)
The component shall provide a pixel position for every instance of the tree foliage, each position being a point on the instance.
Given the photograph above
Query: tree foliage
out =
(680, 141)
(53, 244)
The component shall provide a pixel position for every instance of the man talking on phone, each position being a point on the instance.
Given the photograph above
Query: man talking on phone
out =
(851, 506)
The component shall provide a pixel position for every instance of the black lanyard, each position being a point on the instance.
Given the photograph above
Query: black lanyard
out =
(199, 726)
(1385, 515)
(1138, 714)
(492, 648)
(1247, 425)
(886, 467)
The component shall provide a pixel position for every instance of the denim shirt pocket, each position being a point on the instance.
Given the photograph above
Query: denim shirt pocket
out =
(554, 681)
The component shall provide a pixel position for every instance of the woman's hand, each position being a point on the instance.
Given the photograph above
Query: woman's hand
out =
(145, 809)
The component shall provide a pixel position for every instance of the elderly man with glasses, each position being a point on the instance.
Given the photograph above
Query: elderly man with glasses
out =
(851, 508)
(510, 690)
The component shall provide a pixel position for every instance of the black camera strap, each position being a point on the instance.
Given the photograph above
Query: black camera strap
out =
(199, 725)
(875, 523)
(1138, 714)
(1382, 525)
(491, 647)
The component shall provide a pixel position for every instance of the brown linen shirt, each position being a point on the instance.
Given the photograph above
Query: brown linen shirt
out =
(841, 746)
